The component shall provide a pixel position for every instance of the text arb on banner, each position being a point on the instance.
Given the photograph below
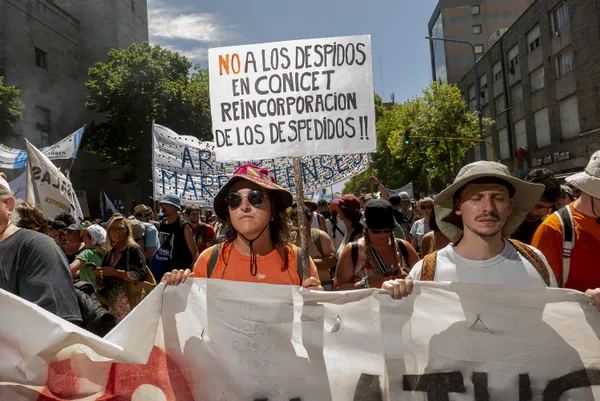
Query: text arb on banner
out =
(186, 167)
(296, 98)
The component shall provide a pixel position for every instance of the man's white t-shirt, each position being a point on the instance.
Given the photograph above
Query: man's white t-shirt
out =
(339, 236)
(507, 268)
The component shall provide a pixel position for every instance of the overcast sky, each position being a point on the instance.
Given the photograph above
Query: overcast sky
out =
(397, 29)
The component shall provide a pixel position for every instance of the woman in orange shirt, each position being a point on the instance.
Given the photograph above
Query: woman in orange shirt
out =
(257, 246)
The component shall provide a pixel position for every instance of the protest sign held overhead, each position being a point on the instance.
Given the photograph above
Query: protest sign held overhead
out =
(48, 188)
(186, 167)
(222, 340)
(64, 149)
(296, 98)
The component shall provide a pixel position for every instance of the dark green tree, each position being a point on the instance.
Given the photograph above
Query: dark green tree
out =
(132, 88)
(11, 108)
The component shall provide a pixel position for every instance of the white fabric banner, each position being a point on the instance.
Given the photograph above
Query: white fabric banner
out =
(48, 187)
(64, 149)
(186, 167)
(408, 188)
(218, 340)
(296, 98)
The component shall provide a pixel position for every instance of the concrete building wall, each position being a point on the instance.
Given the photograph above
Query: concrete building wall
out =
(563, 154)
(458, 24)
(30, 24)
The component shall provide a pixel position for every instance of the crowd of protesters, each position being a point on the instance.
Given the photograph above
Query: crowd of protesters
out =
(487, 227)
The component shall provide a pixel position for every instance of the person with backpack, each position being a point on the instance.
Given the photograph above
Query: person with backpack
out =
(378, 255)
(477, 213)
(335, 227)
(570, 238)
(320, 247)
(257, 245)
(349, 207)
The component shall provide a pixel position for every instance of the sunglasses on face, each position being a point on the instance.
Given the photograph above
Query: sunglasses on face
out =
(425, 207)
(234, 199)
(381, 231)
(143, 216)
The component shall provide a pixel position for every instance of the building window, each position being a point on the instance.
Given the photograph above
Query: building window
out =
(497, 71)
(503, 139)
(537, 79)
(569, 117)
(478, 49)
(513, 59)
(500, 103)
(533, 38)
(559, 16)
(41, 58)
(516, 93)
(564, 63)
(133, 6)
(521, 134)
(42, 125)
(483, 86)
(475, 10)
(476, 29)
(542, 128)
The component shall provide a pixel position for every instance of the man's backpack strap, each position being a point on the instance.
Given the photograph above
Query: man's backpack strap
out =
(214, 256)
(565, 217)
(403, 250)
(428, 267)
(315, 235)
(533, 258)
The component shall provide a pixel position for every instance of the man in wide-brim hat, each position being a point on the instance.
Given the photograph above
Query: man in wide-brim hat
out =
(477, 213)
(577, 269)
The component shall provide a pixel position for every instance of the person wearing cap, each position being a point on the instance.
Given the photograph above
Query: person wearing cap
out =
(257, 246)
(378, 255)
(582, 271)
(56, 232)
(33, 267)
(177, 248)
(144, 214)
(73, 243)
(482, 208)
(204, 234)
(349, 207)
(543, 206)
(566, 197)
(317, 220)
(90, 257)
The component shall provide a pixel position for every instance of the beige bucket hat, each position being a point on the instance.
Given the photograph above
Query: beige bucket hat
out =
(588, 181)
(525, 198)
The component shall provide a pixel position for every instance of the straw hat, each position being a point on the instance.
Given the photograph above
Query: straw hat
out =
(588, 181)
(259, 176)
(525, 197)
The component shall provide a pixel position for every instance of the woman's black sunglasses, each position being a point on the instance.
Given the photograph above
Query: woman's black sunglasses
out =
(430, 207)
(381, 231)
(234, 199)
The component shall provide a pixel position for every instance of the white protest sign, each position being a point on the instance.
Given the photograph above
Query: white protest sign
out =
(52, 191)
(186, 167)
(66, 148)
(296, 98)
(219, 340)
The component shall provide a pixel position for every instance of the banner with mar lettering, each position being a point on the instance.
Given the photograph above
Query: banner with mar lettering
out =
(186, 167)
(214, 340)
(64, 149)
(290, 99)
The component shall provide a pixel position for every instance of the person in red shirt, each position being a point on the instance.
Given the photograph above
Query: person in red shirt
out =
(204, 234)
(257, 247)
(583, 273)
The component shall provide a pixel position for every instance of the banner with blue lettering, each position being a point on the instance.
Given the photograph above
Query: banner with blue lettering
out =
(186, 167)
(64, 149)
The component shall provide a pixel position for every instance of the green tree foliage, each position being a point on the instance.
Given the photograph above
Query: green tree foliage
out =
(11, 108)
(439, 112)
(132, 88)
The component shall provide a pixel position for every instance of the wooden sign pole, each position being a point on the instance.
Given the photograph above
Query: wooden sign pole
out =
(301, 215)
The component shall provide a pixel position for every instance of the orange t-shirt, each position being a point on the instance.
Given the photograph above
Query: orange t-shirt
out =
(584, 273)
(270, 267)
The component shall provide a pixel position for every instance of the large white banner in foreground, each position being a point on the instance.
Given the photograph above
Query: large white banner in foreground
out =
(217, 340)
